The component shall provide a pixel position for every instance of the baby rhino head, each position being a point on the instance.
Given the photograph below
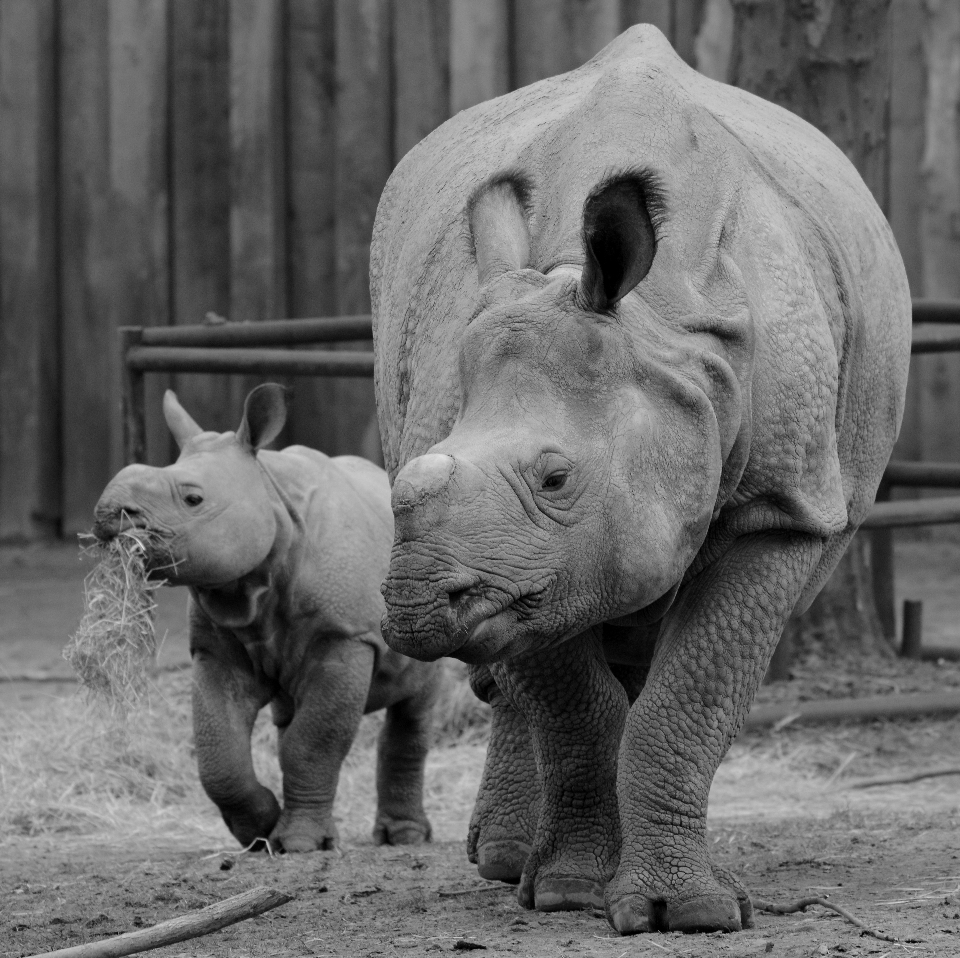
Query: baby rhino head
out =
(209, 516)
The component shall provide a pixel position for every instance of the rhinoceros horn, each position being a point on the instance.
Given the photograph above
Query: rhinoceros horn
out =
(181, 423)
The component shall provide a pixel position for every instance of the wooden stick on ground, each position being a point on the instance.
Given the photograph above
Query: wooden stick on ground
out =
(774, 909)
(903, 779)
(195, 925)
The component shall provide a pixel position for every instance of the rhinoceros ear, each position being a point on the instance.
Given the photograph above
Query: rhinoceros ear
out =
(618, 242)
(264, 414)
(498, 224)
(178, 419)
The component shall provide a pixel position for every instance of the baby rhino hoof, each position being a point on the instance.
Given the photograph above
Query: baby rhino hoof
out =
(634, 914)
(400, 832)
(502, 860)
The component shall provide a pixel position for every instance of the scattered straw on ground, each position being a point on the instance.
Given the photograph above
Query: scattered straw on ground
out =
(115, 645)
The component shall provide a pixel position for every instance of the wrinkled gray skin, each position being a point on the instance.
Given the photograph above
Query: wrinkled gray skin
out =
(641, 347)
(284, 553)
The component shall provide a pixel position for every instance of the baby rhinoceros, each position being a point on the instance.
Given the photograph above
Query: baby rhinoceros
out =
(284, 553)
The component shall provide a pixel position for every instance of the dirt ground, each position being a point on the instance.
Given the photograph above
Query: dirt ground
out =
(782, 816)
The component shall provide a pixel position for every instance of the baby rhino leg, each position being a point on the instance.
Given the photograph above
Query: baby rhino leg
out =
(401, 760)
(226, 700)
(328, 707)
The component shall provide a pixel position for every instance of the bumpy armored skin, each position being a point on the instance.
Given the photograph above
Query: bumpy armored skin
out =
(641, 353)
(284, 553)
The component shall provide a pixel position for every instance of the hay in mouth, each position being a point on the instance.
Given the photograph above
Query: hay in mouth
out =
(115, 645)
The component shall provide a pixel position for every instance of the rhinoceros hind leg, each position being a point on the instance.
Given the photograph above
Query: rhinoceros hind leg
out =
(401, 759)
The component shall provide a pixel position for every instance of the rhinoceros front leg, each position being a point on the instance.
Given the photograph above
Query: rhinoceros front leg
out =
(575, 709)
(226, 700)
(713, 652)
(326, 713)
(505, 814)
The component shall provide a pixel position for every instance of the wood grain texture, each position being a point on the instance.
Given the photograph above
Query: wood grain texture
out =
(479, 51)
(657, 12)
(421, 52)
(833, 69)
(140, 187)
(552, 37)
(113, 215)
(200, 191)
(311, 151)
(363, 163)
(29, 355)
(907, 98)
(257, 170)
(940, 221)
(86, 252)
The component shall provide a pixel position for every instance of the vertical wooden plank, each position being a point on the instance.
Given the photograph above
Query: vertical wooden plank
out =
(310, 134)
(907, 98)
(554, 36)
(140, 195)
(29, 414)
(479, 51)
(657, 12)
(687, 20)
(940, 223)
(421, 46)
(112, 241)
(541, 41)
(363, 163)
(713, 45)
(257, 202)
(88, 366)
(592, 24)
(200, 192)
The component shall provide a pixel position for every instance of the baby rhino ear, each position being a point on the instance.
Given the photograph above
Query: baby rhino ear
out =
(264, 414)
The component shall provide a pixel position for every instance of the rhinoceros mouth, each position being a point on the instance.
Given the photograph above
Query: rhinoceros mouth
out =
(153, 543)
(484, 619)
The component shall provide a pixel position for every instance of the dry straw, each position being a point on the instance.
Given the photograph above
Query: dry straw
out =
(115, 645)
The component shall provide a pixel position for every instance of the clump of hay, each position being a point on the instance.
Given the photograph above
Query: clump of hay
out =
(116, 644)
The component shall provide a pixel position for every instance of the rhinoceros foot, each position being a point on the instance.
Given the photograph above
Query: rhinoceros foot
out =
(254, 822)
(392, 831)
(558, 893)
(502, 860)
(299, 833)
(720, 905)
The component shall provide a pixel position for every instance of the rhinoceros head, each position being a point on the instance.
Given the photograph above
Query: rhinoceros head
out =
(580, 476)
(210, 513)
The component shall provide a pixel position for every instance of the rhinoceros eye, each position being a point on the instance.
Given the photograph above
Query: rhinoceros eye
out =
(192, 499)
(554, 481)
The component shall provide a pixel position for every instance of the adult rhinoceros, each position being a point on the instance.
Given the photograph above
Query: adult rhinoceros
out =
(642, 342)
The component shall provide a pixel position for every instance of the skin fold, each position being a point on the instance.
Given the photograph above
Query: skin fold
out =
(284, 553)
(641, 353)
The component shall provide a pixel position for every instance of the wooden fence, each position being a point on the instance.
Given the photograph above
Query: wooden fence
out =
(165, 159)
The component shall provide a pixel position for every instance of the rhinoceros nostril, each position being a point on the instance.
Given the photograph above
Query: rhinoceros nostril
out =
(457, 598)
